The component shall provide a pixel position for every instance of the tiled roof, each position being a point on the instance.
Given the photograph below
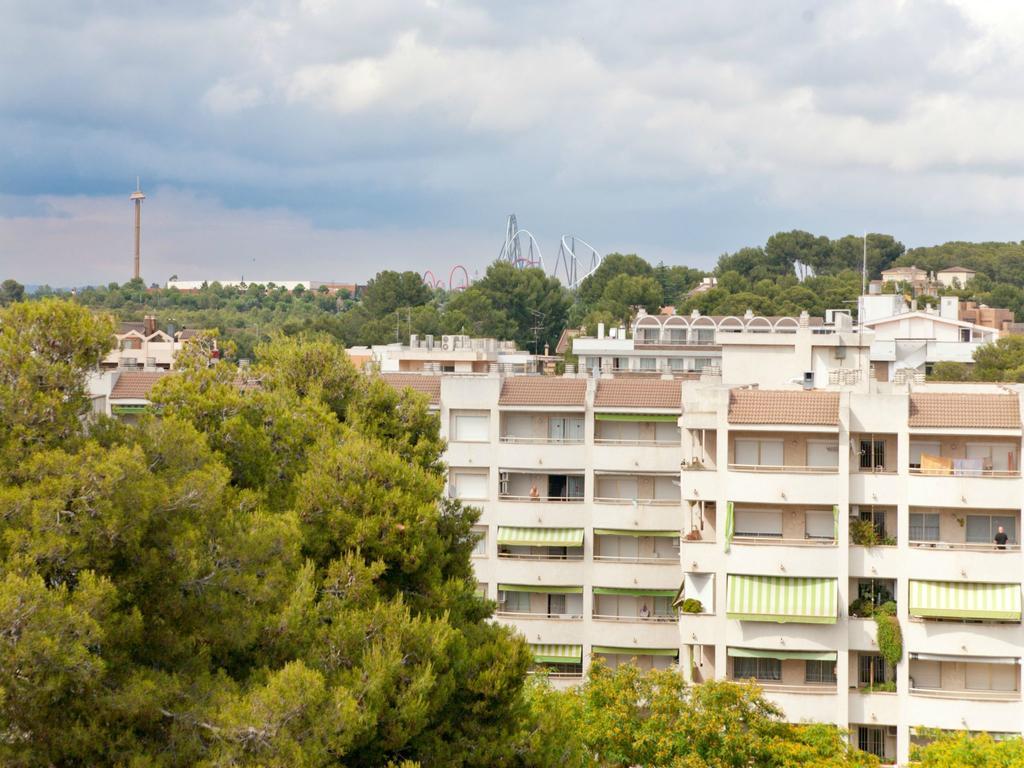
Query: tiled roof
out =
(187, 333)
(955, 409)
(428, 385)
(767, 406)
(638, 393)
(126, 326)
(135, 385)
(957, 269)
(543, 390)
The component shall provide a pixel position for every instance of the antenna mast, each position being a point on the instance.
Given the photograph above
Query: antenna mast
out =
(138, 197)
(864, 270)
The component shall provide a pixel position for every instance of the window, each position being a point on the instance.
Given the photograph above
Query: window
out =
(759, 669)
(819, 524)
(751, 452)
(700, 363)
(999, 457)
(871, 740)
(556, 605)
(565, 487)
(649, 335)
(621, 363)
(676, 335)
(470, 426)
(648, 364)
(924, 526)
(820, 672)
(516, 602)
(822, 453)
(565, 429)
(982, 529)
(965, 334)
(758, 522)
(872, 454)
(677, 363)
(480, 547)
(871, 670)
(663, 606)
(704, 335)
(467, 485)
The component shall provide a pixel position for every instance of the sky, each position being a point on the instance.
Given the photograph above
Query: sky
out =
(310, 139)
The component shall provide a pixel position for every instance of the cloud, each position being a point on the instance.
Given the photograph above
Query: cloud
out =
(685, 128)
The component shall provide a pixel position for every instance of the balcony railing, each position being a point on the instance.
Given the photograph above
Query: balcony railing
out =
(674, 560)
(779, 541)
(549, 499)
(637, 502)
(654, 443)
(514, 556)
(641, 342)
(964, 546)
(779, 468)
(539, 615)
(652, 619)
(954, 472)
(966, 694)
(809, 688)
(517, 440)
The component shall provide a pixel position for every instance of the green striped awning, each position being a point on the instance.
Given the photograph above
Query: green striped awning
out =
(624, 651)
(964, 600)
(668, 417)
(137, 408)
(635, 592)
(634, 532)
(557, 654)
(781, 599)
(540, 537)
(546, 589)
(761, 653)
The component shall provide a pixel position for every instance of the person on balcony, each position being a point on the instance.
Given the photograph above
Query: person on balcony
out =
(534, 493)
(1001, 538)
(645, 612)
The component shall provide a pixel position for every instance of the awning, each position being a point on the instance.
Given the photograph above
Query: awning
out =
(138, 408)
(667, 417)
(965, 659)
(781, 599)
(540, 537)
(964, 600)
(635, 651)
(761, 653)
(557, 654)
(547, 590)
(635, 592)
(635, 532)
(730, 525)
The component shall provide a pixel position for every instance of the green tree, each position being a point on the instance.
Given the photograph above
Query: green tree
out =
(1000, 361)
(624, 292)
(614, 264)
(10, 292)
(390, 291)
(962, 750)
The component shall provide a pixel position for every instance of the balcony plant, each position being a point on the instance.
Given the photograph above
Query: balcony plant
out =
(890, 634)
(692, 605)
(889, 686)
(693, 535)
(863, 533)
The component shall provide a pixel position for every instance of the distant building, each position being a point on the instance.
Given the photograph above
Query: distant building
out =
(954, 277)
(190, 286)
(917, 279)
(990, 317)
(448, 354)
(705, 285)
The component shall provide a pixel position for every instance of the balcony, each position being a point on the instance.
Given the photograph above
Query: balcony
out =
(964, 456)
(636, 547)
(534, 601)
(965, 678)
(542, 428)
(783, 525)
(636, 490)
(534, 486)
(634, 606)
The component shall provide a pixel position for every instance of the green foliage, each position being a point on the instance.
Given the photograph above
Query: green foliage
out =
(1000, 361)
(10, 292)
(692, 605)
(259, 577)
(963, 750)
(890, 635)
(949, 371)
(863, 533)
(390, 291)
(625, 717)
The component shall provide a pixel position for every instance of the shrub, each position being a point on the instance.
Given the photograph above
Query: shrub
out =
(863, 533)
(692, 605)
(890, 635)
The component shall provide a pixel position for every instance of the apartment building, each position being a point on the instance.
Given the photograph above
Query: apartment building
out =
(825, 503)
(578, 481)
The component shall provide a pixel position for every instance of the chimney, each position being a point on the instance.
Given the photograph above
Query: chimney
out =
(804, 320)
(149, 324)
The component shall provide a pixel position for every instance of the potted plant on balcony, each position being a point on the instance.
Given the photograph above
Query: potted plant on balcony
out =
(863, 533)
(692, 605)
(693, 535)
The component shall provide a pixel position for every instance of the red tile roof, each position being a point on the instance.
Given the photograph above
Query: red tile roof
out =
(543, 390)
(638, 393)
(964, 410)
(428, 385)
(766, 406)
(135, 385)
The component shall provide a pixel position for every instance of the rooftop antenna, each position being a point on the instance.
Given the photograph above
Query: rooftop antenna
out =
(138, 197)
(864, 271)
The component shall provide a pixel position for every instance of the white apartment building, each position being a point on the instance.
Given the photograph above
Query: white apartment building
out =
(782, 478)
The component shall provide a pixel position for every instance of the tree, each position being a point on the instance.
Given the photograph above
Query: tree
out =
(1000, 361)
(624, 292)
(390, 290)
(614, 264)
(10, 292)
(257, 577)
(962, 750)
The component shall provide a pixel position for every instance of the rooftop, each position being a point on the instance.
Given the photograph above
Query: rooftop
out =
(964, 410)
(543, 390)
(638, 393)
(135, 385)
(428, 385)
(766, 406)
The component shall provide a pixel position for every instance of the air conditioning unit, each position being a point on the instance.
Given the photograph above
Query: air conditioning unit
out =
(447, 343)
(840, 352)
(808, 379)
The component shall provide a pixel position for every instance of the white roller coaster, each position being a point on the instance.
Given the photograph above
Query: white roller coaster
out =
(577, 259)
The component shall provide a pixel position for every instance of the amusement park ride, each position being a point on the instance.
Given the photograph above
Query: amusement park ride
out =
(576, 260)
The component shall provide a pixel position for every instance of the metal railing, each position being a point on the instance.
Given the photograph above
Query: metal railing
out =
(539, 615)
(560, 558)
(516, 440)
(817, 689)
(549, 499)
(637, 502)
(778, 468)
(964, 546)
(779, 541)
(652, 619)
(953, 472)
(644, 443)
(674, 560)
(968, 694)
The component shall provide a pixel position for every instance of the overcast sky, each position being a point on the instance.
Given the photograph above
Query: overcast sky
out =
(310, 139)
